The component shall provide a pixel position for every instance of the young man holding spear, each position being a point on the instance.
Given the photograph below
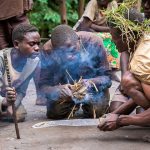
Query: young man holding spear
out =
(22, 60)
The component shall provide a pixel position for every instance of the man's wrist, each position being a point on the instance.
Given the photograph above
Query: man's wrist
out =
(118, 121)
(123, 120)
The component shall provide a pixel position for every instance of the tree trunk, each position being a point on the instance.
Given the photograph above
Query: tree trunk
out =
(81, 8)
(63, 11)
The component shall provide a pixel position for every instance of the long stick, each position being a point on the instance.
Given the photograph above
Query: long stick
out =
(10, 85)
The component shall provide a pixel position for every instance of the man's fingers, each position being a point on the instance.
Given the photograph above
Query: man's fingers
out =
(10, 89)
(101, 126)
(11, 93)
(63, 92)
(66, 92)
(11, 98)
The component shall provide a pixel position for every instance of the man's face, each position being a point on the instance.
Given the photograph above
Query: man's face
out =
(103, 3)
(117, 38)
(29, 45)
(146, 7)
(70, 45)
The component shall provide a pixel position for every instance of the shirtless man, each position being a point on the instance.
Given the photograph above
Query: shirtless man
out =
(135, 83)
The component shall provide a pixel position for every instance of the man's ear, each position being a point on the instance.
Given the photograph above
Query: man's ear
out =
(16, 44)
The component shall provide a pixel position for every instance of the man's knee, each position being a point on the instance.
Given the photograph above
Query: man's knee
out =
(94, 110)
(98, 106)
(128, 82)
(146, 90)
(117, 100)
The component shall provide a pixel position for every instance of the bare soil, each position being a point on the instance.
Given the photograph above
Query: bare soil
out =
(68, 138)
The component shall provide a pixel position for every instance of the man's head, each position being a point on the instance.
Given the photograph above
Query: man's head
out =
(26, 39)
(103, 3)
(64, 36)
(121, 42)
(146, 7)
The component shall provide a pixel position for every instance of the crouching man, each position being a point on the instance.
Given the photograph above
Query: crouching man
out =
(135, 84)
(70, 56)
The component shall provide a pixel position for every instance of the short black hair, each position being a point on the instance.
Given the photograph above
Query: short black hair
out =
(20, 31)
(61, 34)
(134, 15)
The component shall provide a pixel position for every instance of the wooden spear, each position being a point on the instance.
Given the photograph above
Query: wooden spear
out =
(10, 85)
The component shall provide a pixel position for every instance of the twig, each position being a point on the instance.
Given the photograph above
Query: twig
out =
(71, 113)
(94, 112)
(94, 85)
(70, 76)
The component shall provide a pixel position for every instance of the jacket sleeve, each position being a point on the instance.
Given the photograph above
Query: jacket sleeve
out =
(101, 76)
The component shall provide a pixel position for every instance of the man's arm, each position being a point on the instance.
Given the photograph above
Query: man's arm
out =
(57, 93)
(124, 61)
(142, 119)
(101, 66)
(125, 108)
(98, 28)
(101, 82)
(87, 25)
(114, 121)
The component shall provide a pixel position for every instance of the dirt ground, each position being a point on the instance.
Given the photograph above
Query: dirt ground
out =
(68, 138)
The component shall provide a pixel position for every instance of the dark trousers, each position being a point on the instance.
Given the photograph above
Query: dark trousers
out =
(98, 105)
(6, 28)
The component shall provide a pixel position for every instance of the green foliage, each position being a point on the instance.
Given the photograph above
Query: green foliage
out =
(45, 14)
(72, 15)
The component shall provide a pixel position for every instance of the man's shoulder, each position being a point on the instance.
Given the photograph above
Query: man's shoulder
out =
(90, 37)
(47, 46)
(5, 50)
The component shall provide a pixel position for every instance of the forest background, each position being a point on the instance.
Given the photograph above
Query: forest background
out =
(46, 14)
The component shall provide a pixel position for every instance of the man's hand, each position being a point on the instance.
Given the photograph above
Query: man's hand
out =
(66, 93)
(87, 83)
(109, 123)
(10, 95)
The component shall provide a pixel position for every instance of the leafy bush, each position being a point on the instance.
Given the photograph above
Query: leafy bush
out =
(45, 14)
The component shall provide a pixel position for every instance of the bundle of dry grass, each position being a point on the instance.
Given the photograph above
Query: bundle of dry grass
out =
(79, 90)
